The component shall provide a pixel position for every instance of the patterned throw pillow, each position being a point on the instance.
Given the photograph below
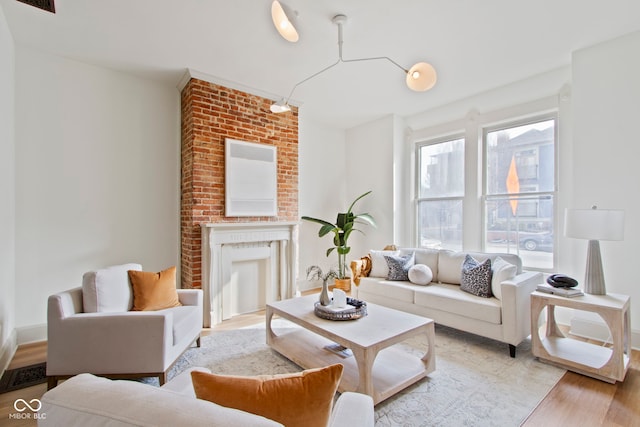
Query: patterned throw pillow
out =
(399, 266)
(476, 277)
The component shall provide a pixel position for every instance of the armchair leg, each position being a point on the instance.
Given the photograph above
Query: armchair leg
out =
(198, 341)
(52, 381)
(162, 378)
(512, 350)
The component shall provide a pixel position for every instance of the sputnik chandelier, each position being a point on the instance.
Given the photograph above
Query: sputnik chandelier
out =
(420, 77)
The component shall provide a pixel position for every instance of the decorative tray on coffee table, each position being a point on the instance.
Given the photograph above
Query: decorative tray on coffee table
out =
(355, 310)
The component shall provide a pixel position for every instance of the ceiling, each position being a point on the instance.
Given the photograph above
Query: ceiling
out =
(474, 45)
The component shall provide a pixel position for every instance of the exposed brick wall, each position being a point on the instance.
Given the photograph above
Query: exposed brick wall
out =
(211, 113)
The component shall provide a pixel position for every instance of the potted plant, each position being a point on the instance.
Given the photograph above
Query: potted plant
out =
(342, 229)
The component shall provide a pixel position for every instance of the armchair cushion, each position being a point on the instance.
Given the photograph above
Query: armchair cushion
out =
(154, 291)
(108, 289)
(301, 399)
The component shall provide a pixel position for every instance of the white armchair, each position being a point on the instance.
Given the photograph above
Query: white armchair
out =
(117, 344)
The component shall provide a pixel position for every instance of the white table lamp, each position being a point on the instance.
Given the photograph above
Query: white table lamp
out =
(594, 225)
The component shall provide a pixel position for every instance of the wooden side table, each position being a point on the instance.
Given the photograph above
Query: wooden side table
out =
(606, 364)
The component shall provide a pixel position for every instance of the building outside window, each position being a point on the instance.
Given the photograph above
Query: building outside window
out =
(519, 190)
(440, 189)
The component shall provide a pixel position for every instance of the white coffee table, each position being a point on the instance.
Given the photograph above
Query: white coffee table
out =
(376, 368)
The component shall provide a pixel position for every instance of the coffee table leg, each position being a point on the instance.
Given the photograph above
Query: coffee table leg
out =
(429, 358)
(364, 359)
(270, 334)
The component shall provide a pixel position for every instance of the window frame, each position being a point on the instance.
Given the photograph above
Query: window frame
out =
(554, 193)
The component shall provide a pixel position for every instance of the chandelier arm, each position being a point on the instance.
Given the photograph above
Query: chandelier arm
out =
(376, 58)
(310, 77)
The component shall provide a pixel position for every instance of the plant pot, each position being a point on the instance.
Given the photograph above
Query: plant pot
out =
(343, 284)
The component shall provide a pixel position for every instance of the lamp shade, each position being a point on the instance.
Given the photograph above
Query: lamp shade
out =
(280, 107)
(283, 23)
(421, 77)
(594, 224)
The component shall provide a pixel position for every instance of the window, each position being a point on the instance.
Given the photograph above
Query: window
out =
(520, 190)
(440, 189)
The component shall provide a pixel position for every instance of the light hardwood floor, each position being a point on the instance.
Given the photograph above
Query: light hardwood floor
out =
(575, 401)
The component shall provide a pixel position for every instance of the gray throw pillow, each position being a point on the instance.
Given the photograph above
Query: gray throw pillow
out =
(476, 277)
(399, 266)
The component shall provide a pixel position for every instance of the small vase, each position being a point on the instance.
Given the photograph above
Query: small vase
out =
(324, 295)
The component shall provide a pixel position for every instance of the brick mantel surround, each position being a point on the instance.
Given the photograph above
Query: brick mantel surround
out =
(211, 113)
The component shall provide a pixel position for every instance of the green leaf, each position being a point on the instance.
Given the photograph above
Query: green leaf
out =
(319, 221)
(343, 250)
(367, 218)
(329, 251)
(354, 202)
(326, 229)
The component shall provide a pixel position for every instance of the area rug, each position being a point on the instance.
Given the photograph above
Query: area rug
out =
(19, 378)
(475, 383)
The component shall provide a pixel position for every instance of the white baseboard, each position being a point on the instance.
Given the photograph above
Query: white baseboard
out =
(29, 334)
(596, 329)
(7, 350)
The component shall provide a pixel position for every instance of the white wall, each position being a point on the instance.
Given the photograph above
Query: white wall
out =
(370, 166)
(7, 195)
(321, 191)
(606, 107)
(97, 177)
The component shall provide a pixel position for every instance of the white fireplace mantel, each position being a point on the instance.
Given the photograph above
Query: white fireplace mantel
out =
(280, 237)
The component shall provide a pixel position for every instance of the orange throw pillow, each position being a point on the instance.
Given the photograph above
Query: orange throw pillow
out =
(154, 291)
(303, 399)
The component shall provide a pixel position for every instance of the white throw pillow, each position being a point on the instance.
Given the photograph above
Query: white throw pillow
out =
(108, 289)
(502, 271)
(379, 267)
(420, 274)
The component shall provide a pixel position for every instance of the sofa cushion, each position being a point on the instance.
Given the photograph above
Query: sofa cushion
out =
(420, 274)
(185, 318)
(426, 256)
(302, 399)
(451, 299)
(402, 291)
(476, 277)
(501, 271)
(108, 289)
(510, 258)
(379, 267)
(450, 266)
(154, 291)
(399, 266)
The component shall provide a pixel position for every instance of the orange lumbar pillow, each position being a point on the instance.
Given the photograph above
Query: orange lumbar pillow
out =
(154, 291)
(300, 399)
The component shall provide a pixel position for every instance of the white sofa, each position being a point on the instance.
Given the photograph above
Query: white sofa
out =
(503, 317)
(90, 329)
(89, 401)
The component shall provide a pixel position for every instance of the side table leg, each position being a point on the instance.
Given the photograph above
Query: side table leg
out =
(552, 326)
